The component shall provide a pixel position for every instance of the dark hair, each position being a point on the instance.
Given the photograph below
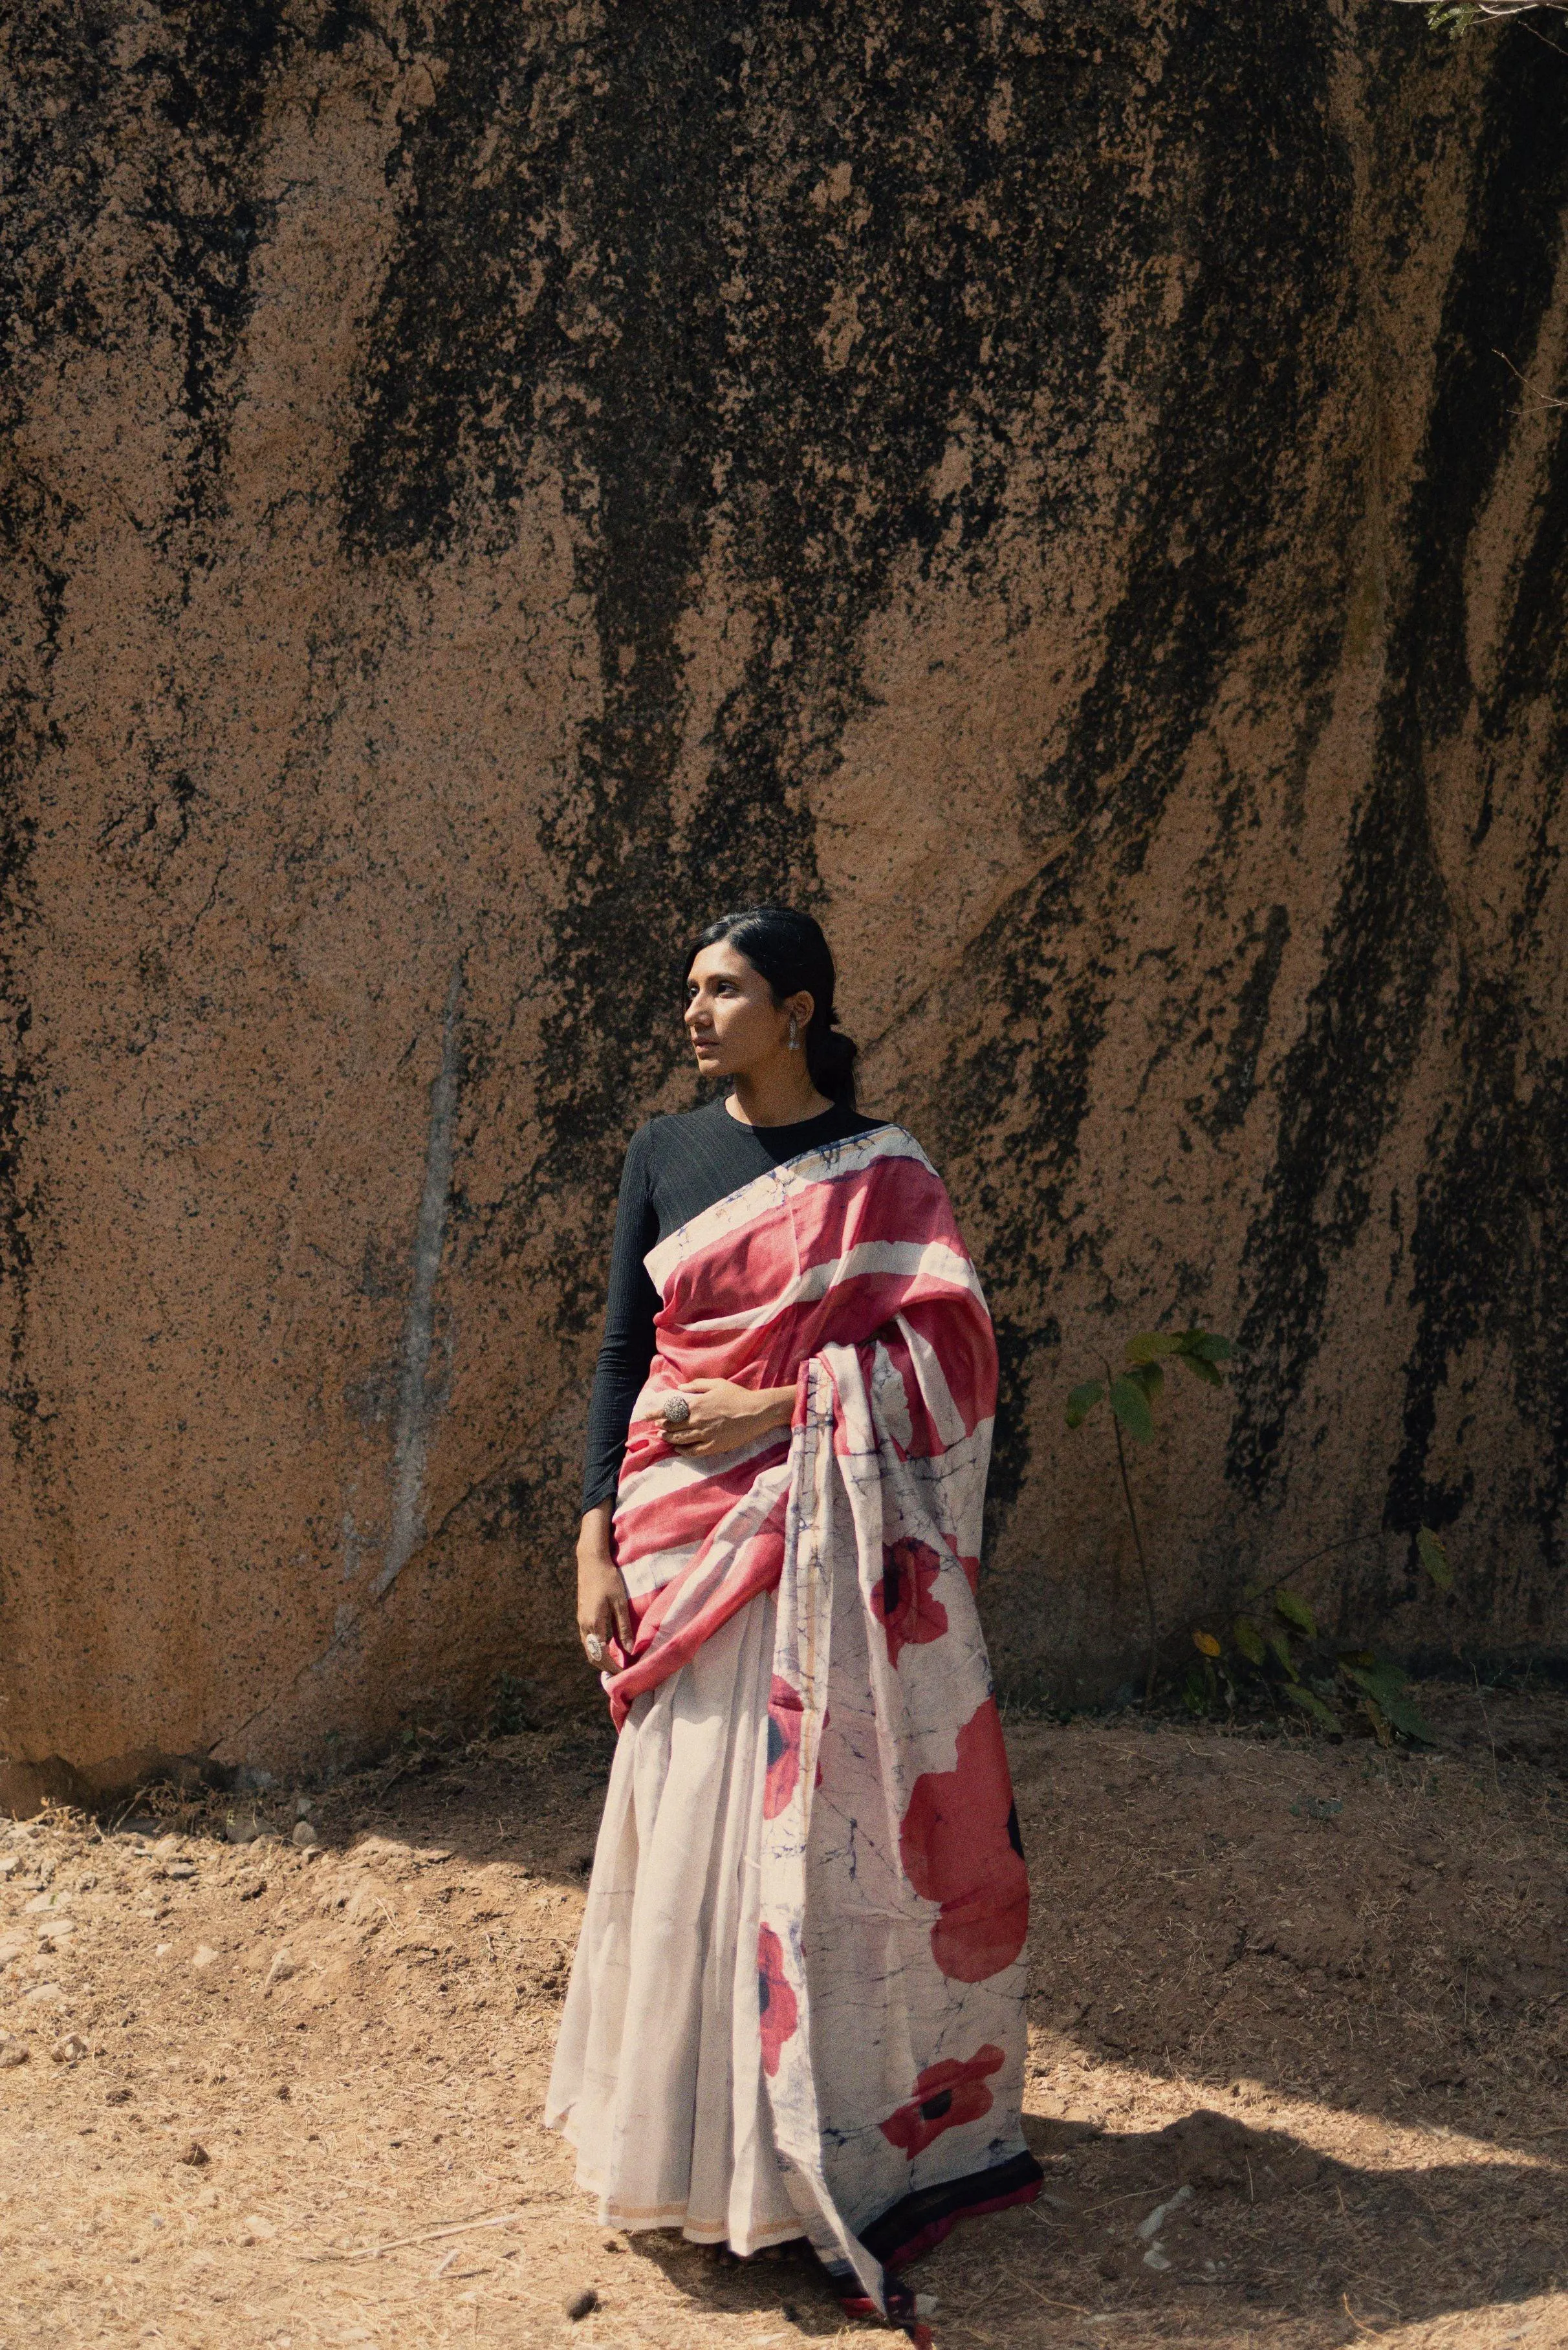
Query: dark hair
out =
(790, 951)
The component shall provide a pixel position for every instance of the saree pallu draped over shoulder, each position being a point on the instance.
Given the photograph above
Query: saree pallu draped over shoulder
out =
(879, 1886)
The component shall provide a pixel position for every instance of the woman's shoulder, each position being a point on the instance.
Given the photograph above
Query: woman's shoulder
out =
(891, 1145)
(671, 1131)
(864, 1124)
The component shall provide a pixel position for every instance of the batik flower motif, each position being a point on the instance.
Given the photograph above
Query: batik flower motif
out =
(902, 1602)
(784, 1716)
(946, 2096)
(959, 1846)
(780, 2014)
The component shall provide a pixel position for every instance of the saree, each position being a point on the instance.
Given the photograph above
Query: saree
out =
(820, 1785)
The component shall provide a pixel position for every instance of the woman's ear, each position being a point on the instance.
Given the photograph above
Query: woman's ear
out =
(800, 1007)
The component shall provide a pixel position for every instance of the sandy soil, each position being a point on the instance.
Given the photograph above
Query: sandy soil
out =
(1299, 2030)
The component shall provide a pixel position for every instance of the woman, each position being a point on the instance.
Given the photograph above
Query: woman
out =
(796, 2006)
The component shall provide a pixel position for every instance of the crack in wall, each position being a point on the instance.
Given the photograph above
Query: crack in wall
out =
(416, 1405)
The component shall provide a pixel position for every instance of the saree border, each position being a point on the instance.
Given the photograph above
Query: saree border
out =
(922, 2219)
(823, 1162)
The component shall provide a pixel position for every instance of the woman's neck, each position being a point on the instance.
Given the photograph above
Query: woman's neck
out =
(777, 1096)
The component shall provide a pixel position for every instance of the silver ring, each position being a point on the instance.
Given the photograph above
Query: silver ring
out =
(677, 1412)
(592, 1648)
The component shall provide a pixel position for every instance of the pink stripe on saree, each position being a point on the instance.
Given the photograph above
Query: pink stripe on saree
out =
(894, 1898)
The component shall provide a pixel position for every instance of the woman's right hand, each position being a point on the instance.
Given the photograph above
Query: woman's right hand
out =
(603, 1610)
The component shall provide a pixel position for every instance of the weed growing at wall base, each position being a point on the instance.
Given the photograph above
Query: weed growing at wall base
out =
(1132, 1396)
(1262, 1662)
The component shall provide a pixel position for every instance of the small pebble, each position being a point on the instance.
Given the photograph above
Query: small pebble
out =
(118, 2097)
(582, 2305)
(195, 2156)
(70, 2050)
(203, 1955)
(12, 2052)
(304, 1836)
(249, 1887)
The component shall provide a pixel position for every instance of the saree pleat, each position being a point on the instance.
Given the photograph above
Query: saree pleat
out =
(658, 2078)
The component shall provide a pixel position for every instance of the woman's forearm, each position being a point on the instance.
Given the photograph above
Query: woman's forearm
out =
(780, 1403)
(594, 1534)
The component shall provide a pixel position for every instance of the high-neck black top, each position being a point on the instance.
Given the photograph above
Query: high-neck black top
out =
(675, 1166)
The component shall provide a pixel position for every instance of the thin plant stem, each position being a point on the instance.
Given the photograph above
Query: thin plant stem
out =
(1138, 1545)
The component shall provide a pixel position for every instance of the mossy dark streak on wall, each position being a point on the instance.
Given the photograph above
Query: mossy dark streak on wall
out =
(1488, 1247)
(1264, 236)
(1492, 1198)
(836, 339)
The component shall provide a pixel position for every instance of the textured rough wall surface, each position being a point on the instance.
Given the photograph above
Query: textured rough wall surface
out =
(486, 486)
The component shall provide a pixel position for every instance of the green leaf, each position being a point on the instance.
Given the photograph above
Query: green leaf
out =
(1205, 1644)
(1082, 1402)
(1383, 1686)
(1282, 1648)
(1150, 1345)
(1409, 1721)
(1248, 1640)
(1130, 1405)
(1201, 1370)
(1150, 1379)
(1435, 1559)
(1207, 1346)
(1296, 1611)
(1379, 1679)
(1324, 1715)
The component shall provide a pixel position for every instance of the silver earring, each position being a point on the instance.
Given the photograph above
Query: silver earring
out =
(794, 1034)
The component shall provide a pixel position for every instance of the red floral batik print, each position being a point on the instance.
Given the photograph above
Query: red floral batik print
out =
(784, 1748)
(959, 1846)
(902, 1602)
(780, 2013)
(946, 2096)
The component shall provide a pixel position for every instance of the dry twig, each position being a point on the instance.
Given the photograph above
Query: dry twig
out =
(425, 2235)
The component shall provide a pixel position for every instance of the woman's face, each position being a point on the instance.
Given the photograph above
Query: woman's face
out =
(730, 1016)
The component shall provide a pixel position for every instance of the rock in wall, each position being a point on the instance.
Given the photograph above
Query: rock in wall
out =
(1072, 496)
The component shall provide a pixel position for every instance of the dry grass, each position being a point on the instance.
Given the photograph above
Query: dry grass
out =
(1350, 1967)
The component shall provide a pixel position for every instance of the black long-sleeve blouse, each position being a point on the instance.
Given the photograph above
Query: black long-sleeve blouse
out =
(675, 1166)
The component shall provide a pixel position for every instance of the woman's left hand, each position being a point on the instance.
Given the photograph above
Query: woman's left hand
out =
(724, 1415)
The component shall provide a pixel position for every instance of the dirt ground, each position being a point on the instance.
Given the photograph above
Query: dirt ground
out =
(1300, 2060)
